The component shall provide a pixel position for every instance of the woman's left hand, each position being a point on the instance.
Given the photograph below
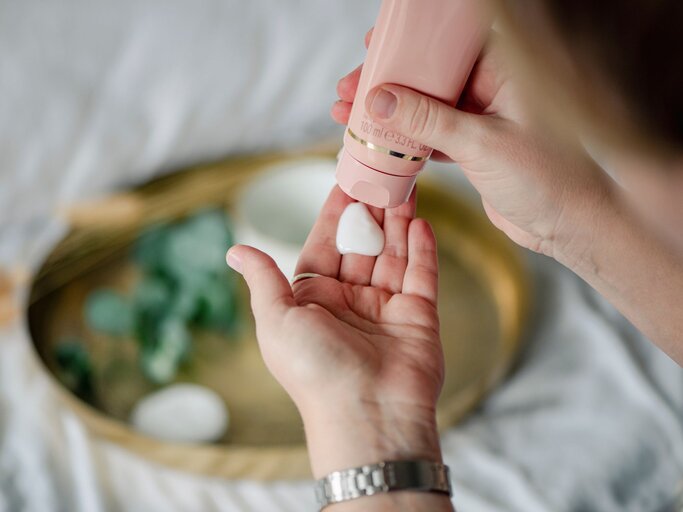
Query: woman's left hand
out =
(357, 348)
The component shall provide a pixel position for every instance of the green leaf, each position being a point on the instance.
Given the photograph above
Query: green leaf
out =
(109, 312)
(174, 338)
(74, 367)
(150, 247)
(217, 303)
(197, 245)
(185, 284)
(160, 361)
(153, 294)
(159, 368)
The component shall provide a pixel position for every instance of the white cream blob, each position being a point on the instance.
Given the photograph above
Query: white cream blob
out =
(186, 413)
(358, 232)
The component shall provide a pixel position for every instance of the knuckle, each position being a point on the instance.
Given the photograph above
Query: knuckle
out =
(421, 123)
(428, 121)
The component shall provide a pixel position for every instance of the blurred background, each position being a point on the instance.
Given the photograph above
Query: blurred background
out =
(138, 140)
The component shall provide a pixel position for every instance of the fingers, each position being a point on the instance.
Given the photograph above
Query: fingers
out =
(346, 89)
(320, 254)
(269, 288)
(489, 75)
(347, 86)
(368, 36)
(341, 111)
(390, 266)
(425, 119)
(422, 272)
(356, 268)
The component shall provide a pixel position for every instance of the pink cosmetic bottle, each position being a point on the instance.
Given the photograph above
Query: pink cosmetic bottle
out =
(429, 46)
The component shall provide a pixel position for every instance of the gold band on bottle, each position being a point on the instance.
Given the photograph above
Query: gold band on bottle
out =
(384, 150)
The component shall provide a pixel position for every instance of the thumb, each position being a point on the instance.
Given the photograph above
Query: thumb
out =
(271, 293)
(425, 119)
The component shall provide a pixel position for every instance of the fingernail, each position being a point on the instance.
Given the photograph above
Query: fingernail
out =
(383, 104)
(233, 261)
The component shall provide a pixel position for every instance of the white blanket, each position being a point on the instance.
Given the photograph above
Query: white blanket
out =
(97, 95)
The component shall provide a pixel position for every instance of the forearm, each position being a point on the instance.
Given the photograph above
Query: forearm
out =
(358, 434)
(613, 250)
(403, 501)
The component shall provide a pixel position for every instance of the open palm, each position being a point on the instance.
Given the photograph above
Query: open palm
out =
(366, 324)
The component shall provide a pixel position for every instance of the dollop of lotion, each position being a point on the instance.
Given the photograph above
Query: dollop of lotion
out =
(358, 232)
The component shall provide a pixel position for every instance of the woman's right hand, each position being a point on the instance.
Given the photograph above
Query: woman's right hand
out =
(534, 188)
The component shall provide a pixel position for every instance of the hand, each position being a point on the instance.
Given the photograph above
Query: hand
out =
(546, 195)
(357, 349)
(534, 188)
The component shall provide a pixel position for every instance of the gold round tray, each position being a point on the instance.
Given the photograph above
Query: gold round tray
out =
(483, 305)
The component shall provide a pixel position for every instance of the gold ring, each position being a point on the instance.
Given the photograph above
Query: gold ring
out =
(305, 275)
(382, 149)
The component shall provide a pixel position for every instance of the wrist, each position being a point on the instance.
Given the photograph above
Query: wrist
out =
(349, 434)
(584, 220)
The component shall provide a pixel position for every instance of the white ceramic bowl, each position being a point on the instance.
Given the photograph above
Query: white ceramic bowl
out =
(276, 211)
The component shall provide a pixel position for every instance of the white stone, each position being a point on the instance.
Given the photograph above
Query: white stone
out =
(186, 413)
(358, 232)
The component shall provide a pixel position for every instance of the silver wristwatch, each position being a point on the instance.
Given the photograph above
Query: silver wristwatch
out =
(418, 475)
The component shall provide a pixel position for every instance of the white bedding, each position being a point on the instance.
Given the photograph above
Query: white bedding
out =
(96, 95)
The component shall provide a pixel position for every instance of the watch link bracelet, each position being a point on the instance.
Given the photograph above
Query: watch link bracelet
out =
(408, 475)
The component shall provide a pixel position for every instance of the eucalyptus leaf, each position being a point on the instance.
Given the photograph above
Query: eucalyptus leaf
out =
(160, 360)
(153, 294)
(185, 284)
(151, 246)
(217, 303)
(159, 368)
(74, 367)
(174, 338)
(109, 312)
(198, 245)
